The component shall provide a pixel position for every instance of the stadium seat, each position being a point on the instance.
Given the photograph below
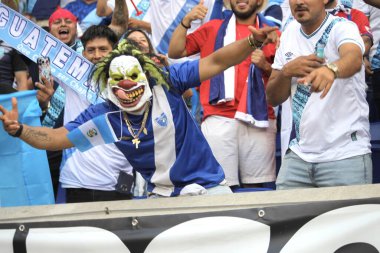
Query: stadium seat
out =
(375, 142)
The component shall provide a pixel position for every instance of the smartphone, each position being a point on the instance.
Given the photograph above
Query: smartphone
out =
(44, 68)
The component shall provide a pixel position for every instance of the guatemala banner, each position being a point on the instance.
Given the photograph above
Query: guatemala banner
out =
(345, 226)
(33, 41)
(25, 176)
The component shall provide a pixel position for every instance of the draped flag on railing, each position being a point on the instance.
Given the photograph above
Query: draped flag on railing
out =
(25, 177)
(25, 173)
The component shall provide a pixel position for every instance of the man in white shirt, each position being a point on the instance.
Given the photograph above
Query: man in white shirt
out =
(319, 65)
(94, 175)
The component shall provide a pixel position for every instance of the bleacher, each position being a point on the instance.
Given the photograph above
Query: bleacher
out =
(375, 142)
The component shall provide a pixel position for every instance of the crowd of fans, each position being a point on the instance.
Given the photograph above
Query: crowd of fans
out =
(240, 110)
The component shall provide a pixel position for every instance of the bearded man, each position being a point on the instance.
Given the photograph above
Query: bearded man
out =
(238, 124)
(146, 118)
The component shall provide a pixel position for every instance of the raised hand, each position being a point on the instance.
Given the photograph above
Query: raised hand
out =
(10, 118)
(198, 12)
(302, 66)
(161, 60)
(264, 35)
(259, 60)
(320, 79)
(45, 92)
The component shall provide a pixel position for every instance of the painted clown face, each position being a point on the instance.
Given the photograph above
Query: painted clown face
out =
(128, 87)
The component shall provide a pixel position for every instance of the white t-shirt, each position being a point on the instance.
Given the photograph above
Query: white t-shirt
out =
(335, 127)
(96, 169)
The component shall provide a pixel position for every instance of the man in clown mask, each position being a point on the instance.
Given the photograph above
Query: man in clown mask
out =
(146, 118)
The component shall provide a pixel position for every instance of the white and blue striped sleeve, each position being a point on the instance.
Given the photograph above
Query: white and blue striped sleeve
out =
(97, 131)
(91, 128)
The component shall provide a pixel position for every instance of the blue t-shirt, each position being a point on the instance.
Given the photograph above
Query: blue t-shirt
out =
(170, 127)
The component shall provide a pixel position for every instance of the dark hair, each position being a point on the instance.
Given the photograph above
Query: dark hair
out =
(130, 31)
(99, 31)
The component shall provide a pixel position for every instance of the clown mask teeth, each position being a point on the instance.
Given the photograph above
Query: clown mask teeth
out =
(128, 96)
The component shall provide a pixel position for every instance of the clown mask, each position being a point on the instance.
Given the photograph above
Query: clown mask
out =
(127, 86)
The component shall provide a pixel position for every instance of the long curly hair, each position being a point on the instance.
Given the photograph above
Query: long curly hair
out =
(100, 72)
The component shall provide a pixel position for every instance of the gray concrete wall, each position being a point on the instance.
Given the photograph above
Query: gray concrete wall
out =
(146, 207)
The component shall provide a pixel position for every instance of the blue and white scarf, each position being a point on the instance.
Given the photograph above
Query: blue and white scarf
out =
(303, 93)
(57, 102)
(253, 108)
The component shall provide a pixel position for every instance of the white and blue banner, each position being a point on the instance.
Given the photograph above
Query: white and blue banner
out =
(97, 131)
(33, 41)
(350, 226)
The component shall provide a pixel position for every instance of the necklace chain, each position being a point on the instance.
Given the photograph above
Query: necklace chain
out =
(136, 139)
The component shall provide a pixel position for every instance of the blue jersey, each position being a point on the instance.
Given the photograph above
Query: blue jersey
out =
(173, 153)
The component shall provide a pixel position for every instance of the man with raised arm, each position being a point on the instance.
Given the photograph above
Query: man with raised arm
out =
(237, 123)
(146, 118)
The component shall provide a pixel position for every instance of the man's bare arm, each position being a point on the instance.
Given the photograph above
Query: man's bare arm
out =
(367, 43)
(102, 9)
(38, 137)
(278, 88)
(235, 53)
(177, 46)
(120, 18)
(135, 23)
(374, 3)
(46, 138)
(349, 63)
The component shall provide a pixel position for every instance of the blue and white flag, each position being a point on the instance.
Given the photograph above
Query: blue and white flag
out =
(33, 41)
(97, 131)
(25, 176)
(252, 108)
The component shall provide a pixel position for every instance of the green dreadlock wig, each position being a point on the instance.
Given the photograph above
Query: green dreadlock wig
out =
(100, 72)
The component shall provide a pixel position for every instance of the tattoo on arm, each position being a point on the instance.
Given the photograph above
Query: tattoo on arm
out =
(36, 136)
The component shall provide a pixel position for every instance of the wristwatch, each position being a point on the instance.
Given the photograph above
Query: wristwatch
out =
(334, 69)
